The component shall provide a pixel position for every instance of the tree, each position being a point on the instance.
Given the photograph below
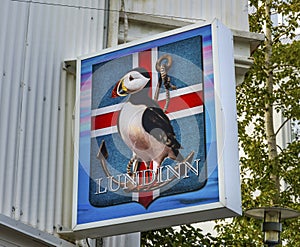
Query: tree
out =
(269, 172)
(186, 236)
(272, 85)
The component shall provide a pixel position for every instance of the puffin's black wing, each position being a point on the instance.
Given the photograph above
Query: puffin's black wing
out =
(157, 124)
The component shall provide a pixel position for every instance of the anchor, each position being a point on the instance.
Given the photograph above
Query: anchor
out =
(129, 187)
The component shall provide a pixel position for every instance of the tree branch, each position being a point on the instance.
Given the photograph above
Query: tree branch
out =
(280, 148)
(282, 34)
(281, 126)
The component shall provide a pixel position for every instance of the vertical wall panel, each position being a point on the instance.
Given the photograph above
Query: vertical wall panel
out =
(230, 12)
(36, 37)
(12, 56)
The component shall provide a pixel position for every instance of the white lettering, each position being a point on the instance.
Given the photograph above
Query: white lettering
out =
(149, 177)
(173, 171)
(99, 191)
(110, 183)
(129, 179)
(189, 167)
(146, 177)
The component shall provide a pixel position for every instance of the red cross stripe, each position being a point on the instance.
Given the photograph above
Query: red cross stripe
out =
(145, 198)
(183, 102)
(177, 103)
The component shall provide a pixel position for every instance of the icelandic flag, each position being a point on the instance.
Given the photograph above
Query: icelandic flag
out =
(186, 112)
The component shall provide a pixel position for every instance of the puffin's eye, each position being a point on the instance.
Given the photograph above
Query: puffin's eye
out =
(131, 78)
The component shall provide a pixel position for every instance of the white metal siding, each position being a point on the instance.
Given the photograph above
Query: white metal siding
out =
(233, 13)
(36, 37)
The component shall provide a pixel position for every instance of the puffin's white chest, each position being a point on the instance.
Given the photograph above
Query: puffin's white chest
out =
(134, 135)
(130, 125)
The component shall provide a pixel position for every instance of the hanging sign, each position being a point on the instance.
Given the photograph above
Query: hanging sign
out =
(156, 133)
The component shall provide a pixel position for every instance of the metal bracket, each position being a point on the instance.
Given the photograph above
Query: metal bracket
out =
(70, 66)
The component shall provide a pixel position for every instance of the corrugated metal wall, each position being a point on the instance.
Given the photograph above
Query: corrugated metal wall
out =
(35, 38)
(230, 12)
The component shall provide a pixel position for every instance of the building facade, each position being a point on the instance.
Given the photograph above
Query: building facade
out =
(37, 94)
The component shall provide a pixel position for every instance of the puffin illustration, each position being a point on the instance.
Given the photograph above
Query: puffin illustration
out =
(142, 124)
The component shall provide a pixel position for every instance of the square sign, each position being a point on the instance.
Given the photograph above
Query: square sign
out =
(156, 133)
